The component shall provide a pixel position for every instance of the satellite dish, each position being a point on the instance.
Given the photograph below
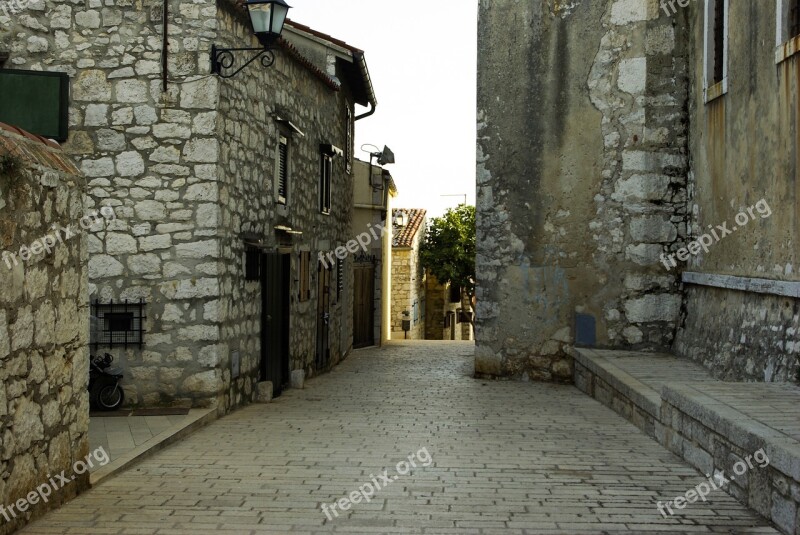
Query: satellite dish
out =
(386, 157)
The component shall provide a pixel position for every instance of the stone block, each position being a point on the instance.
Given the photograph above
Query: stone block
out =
(27, 424)
(783, 513)
(263, 392)
(92, 86)
(644, 254)
(653, 229)
(201, 150)
(22, 329)
(624, 12)
(698, 457)
(204, 383)
(199, 250)
(104, 266)
(153, 243)
(632, 76)
(150, 211)
(654, 307)
(203, 93)
(133, 91)
(130, 164)
(298, 379)
(119, 243)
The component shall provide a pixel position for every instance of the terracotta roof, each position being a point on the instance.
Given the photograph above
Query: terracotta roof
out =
(239, 10)
(35, 149)
(357, 72)
(305, 62)
(404, 236)
(325, 36)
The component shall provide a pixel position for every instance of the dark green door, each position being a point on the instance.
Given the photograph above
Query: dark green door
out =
(275, 320)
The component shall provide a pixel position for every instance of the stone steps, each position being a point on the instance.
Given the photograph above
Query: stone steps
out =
(713, 425)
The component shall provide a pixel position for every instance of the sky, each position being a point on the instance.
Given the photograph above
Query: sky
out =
(422, 60)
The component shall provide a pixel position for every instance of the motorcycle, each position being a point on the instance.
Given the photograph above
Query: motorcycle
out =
(105, 393)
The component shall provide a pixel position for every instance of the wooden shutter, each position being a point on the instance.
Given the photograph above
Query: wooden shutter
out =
(339, 278)
(326, 170)
(348, 145)
(283, 169)
(304, 293)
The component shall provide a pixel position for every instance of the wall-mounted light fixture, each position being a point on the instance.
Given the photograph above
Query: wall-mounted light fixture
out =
(401, 218)
(268, 17)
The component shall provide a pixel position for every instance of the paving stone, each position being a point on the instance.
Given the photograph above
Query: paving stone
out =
(506, 457)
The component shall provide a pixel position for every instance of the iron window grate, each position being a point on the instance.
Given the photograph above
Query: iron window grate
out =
(117, 324)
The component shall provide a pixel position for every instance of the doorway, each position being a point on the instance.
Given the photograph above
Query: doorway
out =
(323, 316)
(364, 305)
(275, 288)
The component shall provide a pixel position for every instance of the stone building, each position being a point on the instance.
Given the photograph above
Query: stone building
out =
(582, 182)
(610, 185)
(374, 190)
(638, 190)
(447, 311)
(408, 277)
(44, 364)
(225, 191)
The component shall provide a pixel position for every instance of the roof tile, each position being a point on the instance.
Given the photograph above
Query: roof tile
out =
(404, 236)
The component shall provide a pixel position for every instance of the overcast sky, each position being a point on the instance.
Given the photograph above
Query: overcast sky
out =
(422, 59)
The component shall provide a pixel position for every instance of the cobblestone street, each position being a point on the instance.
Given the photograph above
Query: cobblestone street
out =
(508, 457)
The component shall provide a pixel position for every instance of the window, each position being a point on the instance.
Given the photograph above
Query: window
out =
(788, 27)
(455, 293)
(117, 324)
(716, 49)
(348, 144)
(794, 18)
(326, 170)
(282, 172)
(304, 293)
(415, 309)
(252, 264)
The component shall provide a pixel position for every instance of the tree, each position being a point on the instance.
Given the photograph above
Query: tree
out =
(448, 251)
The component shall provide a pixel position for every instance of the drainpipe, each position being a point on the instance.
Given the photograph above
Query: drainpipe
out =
(365, 115)
(165, 48)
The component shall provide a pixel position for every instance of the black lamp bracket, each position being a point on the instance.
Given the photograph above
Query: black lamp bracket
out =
(223, 59)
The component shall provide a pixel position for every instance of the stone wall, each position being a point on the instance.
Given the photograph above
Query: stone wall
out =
(189, 169)
(581, 181)
(44, 366)
(438, 306)
(248, 147)
(151, 155)
(744, 150)
(408, 287)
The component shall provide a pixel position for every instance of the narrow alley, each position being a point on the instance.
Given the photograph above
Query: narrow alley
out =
(502, 457)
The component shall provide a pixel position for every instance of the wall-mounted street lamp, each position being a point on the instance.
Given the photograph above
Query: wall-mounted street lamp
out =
(268, 17)
(401, 219)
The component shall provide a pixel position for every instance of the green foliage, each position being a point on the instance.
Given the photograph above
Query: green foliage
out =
(448, 251)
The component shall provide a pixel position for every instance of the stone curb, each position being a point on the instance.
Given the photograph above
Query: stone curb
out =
(640, 394)
(198, 418)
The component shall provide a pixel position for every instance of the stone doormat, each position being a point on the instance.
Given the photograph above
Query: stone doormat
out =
(139, 412)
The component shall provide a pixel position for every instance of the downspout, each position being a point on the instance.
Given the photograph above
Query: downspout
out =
(365, 115)
(373, 101)
(164, 48)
